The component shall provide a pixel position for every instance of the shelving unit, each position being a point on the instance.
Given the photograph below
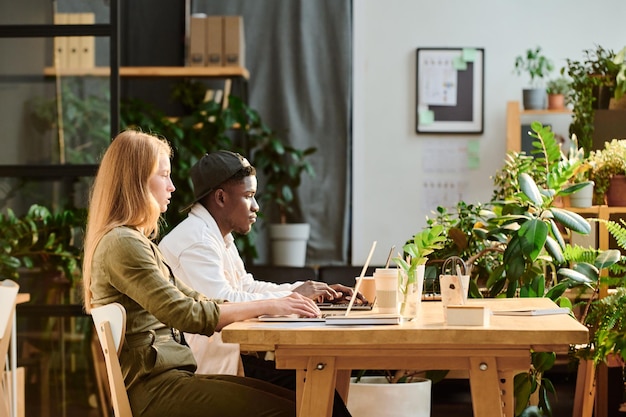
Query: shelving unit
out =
(514, 115)
(157, 72)
(110, 30)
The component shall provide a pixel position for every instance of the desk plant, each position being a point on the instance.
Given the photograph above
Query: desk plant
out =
(416, 252)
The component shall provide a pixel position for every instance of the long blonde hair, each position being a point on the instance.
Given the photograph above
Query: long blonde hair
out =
(120, 195)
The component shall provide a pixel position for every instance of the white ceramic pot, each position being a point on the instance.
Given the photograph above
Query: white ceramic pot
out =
(582, 198)
(289, 243)
(373, 396)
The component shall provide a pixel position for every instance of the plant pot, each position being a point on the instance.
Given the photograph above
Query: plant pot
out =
(373, 396)
(618, 104)
(289, 243)
(582, 198)
(602, 96)
(534, 98)
(556, 101)
(616, 194)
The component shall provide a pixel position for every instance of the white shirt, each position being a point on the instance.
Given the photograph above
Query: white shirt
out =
(209, 263)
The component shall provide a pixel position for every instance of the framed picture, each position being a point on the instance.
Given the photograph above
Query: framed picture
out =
(450, 90)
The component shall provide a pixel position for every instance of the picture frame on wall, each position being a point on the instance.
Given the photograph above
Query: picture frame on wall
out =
(450, 90)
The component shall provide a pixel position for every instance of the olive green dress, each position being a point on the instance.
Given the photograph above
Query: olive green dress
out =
(158, 370)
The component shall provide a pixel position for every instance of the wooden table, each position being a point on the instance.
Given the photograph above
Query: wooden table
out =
(323, 356)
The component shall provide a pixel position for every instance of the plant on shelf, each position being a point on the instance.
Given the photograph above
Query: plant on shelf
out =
(558, 90)
(559, 85)
(607, 163)
(592, 81)
(533, 62)
(537, 66)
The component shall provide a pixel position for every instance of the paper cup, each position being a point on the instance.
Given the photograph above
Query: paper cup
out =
(386, 281)
(367, 288)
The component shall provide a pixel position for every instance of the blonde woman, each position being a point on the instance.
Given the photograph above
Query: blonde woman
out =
(122, 264)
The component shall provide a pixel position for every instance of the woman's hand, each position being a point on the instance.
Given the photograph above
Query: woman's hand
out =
(294, 304)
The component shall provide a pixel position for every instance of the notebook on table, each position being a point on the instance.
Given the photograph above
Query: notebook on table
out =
(338, 318)
(363, 318)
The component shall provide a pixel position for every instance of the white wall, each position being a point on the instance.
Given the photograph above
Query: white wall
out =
(388, 171)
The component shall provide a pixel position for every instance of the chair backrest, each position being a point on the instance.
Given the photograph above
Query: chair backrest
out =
(8, 294)
(110, 323)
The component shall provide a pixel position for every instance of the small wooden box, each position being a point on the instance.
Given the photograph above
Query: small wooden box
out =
(465, 315)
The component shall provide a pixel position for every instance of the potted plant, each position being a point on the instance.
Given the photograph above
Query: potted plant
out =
(592, 82)
(41, 244)
(558, 90)
(282, 168)
(537, 66)
(583, 197)
(608, 170)
(412, 266)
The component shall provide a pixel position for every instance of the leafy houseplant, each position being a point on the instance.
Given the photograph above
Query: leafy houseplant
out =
(592, 81)
(607, 163)
(41, 240)
(537, 66)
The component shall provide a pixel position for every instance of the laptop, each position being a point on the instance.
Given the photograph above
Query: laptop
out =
(344, 306)
(338, 318)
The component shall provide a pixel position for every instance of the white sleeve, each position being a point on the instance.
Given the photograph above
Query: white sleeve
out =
(206, 267)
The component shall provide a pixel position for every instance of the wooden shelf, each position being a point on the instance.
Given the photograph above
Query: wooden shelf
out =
(157, 72)
(514, 115)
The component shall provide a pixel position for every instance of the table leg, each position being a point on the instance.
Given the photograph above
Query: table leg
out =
(585, 389)
(343, 384)
(485, 387)
(318, 389)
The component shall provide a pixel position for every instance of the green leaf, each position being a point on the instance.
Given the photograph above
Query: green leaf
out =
(571, 220)
(533, 235)
(530, 189)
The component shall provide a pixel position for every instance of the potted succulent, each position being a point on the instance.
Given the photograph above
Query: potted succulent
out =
(537, 66)
(558, 90)
(608, 172)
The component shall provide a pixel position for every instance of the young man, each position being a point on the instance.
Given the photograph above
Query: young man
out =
(202, 253)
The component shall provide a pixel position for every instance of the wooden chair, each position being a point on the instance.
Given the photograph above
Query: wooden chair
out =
(110, 323)
(8, 294)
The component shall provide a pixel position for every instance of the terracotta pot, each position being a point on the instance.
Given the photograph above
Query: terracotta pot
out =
(616, 194)
(556, 101)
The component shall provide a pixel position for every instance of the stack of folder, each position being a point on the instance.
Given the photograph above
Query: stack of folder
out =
(74, 51)
(216, 41)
